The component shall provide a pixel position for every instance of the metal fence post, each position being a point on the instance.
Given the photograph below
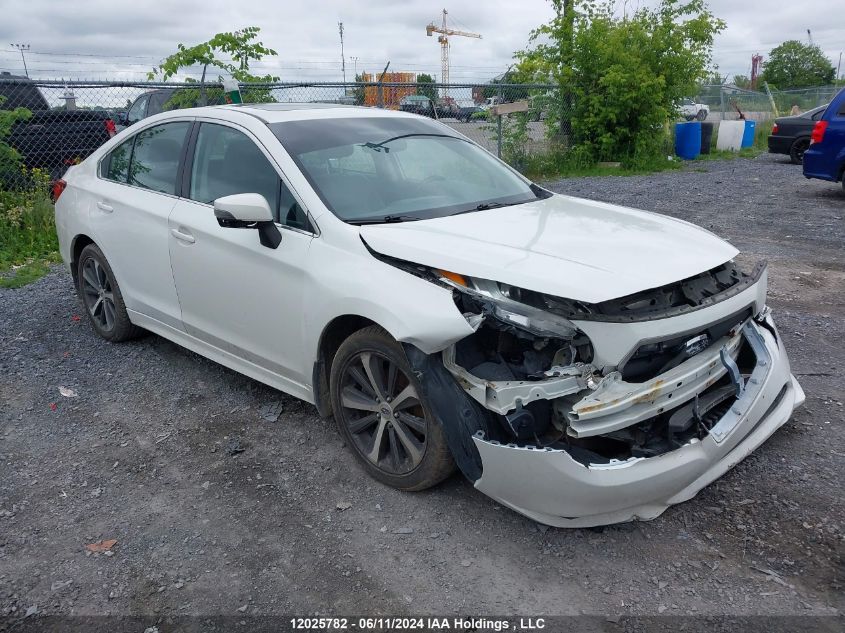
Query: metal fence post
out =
(499, 125)
(722, 100)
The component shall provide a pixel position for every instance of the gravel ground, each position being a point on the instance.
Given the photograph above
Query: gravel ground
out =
(219, 509)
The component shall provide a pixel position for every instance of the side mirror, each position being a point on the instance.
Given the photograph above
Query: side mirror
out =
(248, 211)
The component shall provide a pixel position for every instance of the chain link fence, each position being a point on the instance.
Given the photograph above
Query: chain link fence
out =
(728, 101)
(45, 126)
(55, 124)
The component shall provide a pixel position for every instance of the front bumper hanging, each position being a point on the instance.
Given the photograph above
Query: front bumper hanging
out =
(551, 487)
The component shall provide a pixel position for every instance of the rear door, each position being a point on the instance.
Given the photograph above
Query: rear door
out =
(237, 295)
(132, 199)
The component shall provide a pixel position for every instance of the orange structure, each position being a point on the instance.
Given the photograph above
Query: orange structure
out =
(392, 95)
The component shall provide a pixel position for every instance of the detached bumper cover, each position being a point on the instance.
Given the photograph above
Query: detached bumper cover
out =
(549, 486)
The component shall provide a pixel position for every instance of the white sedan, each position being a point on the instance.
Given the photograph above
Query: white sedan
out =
(580, 362)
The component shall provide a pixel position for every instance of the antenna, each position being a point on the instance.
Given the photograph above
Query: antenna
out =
(810, 37)
(342, 56)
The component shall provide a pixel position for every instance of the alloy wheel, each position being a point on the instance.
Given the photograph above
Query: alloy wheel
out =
(383, 413)
(97, 294)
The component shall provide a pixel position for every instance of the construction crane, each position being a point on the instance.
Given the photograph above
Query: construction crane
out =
(445, 32)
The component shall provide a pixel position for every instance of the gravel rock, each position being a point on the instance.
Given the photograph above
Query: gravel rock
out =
(240, 538)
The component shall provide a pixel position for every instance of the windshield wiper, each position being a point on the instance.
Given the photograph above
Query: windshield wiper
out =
(484, 206)
(385, 219)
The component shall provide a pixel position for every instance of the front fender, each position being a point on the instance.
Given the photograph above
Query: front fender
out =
(411, 309)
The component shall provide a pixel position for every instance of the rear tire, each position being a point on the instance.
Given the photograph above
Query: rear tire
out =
(382, 416)
(701, 115)
(100, 294)
(796, 152)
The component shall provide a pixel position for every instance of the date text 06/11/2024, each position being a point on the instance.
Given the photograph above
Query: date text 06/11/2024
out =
(464, 624)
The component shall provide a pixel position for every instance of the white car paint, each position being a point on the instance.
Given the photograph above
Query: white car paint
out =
(262, 311)
(690, 109)
(565, 246)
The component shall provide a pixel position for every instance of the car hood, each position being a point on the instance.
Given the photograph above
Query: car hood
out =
(564, 246)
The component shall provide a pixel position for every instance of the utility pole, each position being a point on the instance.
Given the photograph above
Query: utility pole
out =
(354, 59)
(342, 56)
(22, 48)
(839, 65)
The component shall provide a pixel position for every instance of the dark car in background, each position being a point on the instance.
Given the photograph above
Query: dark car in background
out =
(791, 134)
(147, 104)
(52, 138)
(417, 104)
(825, 158)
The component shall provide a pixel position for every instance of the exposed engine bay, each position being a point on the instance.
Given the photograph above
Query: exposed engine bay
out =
(531, 368)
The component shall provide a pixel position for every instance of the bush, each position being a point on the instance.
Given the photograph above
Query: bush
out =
(620, 76)
(27, 231)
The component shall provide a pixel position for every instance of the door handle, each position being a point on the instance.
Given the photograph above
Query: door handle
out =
(103, 206)
(182, 237)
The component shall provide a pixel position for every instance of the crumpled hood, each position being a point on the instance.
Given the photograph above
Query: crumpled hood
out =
(563, 246)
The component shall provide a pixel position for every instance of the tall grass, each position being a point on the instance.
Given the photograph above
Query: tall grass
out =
(28, 241)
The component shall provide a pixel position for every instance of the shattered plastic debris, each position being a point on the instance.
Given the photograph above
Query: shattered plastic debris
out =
(101, 546)
(67, 392)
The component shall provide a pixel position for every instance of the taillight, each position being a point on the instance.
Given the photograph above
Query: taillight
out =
(110, 128)
(775, 128)
(817, 135)
(58, 188)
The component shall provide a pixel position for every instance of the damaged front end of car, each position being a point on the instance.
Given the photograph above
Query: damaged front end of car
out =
(579, 414)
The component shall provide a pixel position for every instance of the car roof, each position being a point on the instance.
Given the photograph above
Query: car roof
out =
(280, 112)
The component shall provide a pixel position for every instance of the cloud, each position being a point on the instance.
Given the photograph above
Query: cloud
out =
(102, 39)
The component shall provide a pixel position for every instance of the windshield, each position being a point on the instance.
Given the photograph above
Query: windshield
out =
(380, 169)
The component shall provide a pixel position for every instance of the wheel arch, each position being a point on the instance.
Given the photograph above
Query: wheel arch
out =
(334, 333)
(77, 245)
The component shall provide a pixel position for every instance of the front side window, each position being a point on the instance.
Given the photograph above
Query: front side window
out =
(373, 169)
(226, 162)
(155, 157)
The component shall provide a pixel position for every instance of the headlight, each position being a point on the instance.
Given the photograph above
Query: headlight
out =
(493, 299)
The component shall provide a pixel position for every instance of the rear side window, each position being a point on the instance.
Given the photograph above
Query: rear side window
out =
(226, 162)
(116, 164)
(155, 157)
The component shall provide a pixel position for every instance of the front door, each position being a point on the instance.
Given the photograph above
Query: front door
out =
(236, 294)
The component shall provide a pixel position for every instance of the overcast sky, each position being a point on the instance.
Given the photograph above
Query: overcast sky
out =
(95, 39)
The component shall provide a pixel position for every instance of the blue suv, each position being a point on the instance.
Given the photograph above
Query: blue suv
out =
(825, 158)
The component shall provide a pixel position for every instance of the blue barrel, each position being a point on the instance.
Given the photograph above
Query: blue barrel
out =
(748, 135)
(688, 139)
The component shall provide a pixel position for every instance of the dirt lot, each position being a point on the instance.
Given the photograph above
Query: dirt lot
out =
(217, 509)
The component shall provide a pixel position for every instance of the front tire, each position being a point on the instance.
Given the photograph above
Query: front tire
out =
(101, 296)
(796, 152)
(380, 413)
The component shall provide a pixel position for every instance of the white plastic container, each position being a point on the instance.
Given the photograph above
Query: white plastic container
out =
(730, 135)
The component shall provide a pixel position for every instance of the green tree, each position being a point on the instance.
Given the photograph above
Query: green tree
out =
(742, 81)
(621, 77)
(358, 90)
(797, 65)
(10, 159)
(427, 90)
(239, 49)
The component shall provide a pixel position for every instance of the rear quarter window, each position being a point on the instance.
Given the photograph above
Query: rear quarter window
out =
(115, 166)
